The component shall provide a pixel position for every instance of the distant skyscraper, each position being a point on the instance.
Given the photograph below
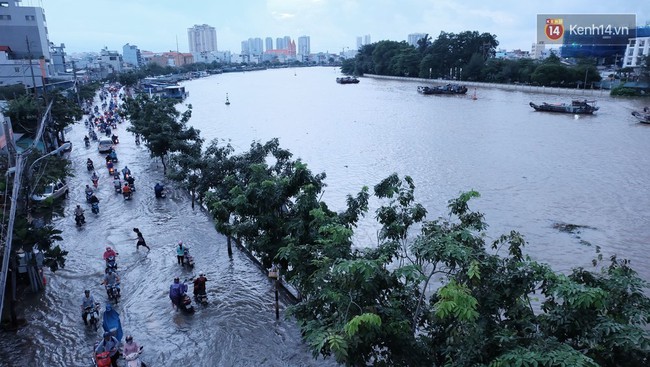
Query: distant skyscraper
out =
(269, 43)
(359, 42)
(366, 39)
(287, 42)
(245, 48)
(413, 38)
(202, 38)
(131, 55)
(279, 43)
(255, 46)
(303, 46)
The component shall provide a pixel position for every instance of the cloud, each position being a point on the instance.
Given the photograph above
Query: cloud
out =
(282, 16)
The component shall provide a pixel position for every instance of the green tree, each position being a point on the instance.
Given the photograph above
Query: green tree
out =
(65, 112)
(162, 126)
(24, 113)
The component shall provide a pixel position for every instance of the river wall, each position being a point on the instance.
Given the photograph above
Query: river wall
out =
(515, 87)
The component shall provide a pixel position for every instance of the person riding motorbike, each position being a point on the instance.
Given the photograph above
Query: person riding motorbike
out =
(108, 158)
(87, 140)
(158, 189)
(94, 178)
(89, 192)
(89, 164)
(109, 252)
(115, 139)
(117, 183)
(126, 190)
(79, 214)
(113, 155)
(86, 302)
(177, 291)
(108, 347)
(180, 252)
(111, 279)
(126, 171)
(131, 347)
(199, 285)
(131, 181)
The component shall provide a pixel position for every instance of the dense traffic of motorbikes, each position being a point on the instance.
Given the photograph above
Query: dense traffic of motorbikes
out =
(104, 118)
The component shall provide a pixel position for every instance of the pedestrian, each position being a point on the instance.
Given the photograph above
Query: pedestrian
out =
(180, 253)
(140, 240)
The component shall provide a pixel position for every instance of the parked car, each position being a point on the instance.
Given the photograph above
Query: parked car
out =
(54, 190)
(105, 145)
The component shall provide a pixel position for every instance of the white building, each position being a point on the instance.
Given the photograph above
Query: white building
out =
(223, 57)
(110, 59)
(131, 55)
(538, 50)
(20, 25)
(413, 38)
(19, 71)
(303, 48)
(635, 50)
(202, 38)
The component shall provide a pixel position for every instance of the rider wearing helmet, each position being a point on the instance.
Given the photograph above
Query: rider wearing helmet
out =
(177, 291)
(109, 252)
(87, 301)
(131, 347)
(199, 284)
(109, 345)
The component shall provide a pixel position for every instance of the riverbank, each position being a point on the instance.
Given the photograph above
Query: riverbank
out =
(513, 87)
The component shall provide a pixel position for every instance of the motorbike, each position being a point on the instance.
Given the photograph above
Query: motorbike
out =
(115, 139)
(113, 292)
(160, 193)
(188, 260)
(133, 359)
(95, 207)
(89, 194)
(90, 166)
(79, 219)
(111, 171)
(186, 304)
(117, 186)
(87, 142)
(132, 186)
(93, 314)
(111, 263)
(95, 181)
(127, 195)
(201, 298)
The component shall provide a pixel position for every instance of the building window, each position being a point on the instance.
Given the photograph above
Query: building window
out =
(17, 69)
(5, 17)
(4, 4)
(30, 17)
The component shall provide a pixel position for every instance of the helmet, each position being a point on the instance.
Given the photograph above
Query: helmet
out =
(87, 291)
(180, 243)
(107, 334)
(129, 338)
(201, 274)
(108, 248)
(176, 280)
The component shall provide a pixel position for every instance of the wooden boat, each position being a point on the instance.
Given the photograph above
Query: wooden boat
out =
(644, 116)
(347, 80)
(577, 106)
(443, 89)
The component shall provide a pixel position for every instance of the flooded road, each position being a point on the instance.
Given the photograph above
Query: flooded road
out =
(236, 328)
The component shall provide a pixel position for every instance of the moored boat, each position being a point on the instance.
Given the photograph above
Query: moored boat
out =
(577, 106)
(347, 80)
(644, 116)
(443, 89)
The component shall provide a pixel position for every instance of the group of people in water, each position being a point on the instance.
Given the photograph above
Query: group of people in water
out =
(108, 350)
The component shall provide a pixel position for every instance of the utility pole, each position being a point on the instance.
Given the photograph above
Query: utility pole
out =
(31, 69)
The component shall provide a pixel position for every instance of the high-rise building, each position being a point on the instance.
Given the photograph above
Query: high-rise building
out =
(303, 46)
(23, 25)
(287, 42)
(269, 43)
(279, 44)
(245, 47)
(413, 38)
(131, 55)
(359, 42)
(255, 46)
(366, 39)
(202, 38)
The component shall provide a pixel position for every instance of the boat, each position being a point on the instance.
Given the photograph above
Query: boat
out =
(347, 80)
(644, 116)
(227, 101)
(577, 106)
(443, 89)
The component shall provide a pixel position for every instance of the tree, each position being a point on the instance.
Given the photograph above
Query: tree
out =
(162, 126)
(24, 114)
(65, 112)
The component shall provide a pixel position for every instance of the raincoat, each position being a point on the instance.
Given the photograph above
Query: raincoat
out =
(112, 321)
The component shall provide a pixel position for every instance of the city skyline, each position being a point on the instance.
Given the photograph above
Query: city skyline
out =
(331, 25)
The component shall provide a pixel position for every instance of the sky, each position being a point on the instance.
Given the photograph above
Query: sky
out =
(332, 25)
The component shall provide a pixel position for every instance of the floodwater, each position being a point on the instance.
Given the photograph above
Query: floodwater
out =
(532, 169)
(237, 327)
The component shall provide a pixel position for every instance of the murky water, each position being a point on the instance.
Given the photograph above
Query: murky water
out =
(533, 170)
(237, 328)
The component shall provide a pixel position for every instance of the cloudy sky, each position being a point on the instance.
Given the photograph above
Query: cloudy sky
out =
(89, 25)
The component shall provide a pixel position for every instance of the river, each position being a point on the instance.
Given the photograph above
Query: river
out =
(532, 169)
